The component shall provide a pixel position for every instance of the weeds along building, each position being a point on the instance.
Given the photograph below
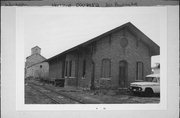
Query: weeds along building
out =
(34, 65)
(111, 60)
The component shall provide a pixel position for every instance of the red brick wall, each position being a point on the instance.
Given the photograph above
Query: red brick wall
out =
(109, 48)
(114, 51)
(79, 80)
(55, 69)
(84, 81)
(71, 80)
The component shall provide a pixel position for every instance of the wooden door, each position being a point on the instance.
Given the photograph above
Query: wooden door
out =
(92, 76)
(123, 79)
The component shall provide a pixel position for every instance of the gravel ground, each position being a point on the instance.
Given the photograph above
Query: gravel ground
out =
(89, 97)
(115, 99)
(34, 97)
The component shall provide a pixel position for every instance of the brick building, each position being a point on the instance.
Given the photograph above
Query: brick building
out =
(34, 65)
(111, 60)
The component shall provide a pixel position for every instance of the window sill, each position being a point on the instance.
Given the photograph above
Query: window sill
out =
(83, 78)
(108, 79)
(72, 77)
(69, 77)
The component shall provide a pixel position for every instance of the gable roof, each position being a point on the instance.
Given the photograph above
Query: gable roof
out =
(36, 47)
(35, 64)
(154, 48)
(38, 55)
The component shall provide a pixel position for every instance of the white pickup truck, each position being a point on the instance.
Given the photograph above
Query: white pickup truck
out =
(149, 86)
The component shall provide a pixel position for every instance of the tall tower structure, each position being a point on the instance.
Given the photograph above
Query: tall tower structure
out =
(35, 56)
(35, 50)
(34, 65)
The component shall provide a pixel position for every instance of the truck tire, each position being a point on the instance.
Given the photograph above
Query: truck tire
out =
(149, 92)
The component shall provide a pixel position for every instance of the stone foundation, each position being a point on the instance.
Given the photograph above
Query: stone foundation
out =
(105, 83)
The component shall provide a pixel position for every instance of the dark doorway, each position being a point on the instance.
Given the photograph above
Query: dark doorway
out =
(123, 72)
(92, 76)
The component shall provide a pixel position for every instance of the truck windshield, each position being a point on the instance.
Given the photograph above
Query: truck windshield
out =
(151, 79)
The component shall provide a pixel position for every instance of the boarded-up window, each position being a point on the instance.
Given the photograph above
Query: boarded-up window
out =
(66, 68)
(70, 68)
(84, 68)
(63, 69)
(139, 72)
(106, 68)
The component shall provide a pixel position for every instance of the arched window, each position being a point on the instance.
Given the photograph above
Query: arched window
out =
(106, 68)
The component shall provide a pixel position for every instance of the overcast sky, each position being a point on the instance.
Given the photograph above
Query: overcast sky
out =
(55, 30)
